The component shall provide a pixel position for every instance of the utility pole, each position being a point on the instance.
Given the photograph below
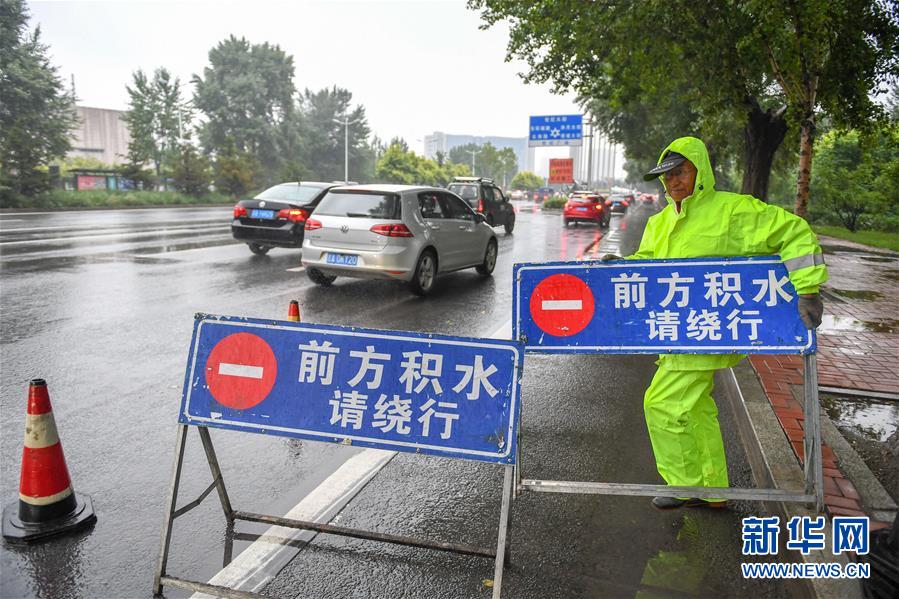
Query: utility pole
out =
(590, 157)
(473, 154)
(346, 145)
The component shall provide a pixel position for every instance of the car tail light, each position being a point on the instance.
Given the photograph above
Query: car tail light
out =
(625, 203)
(567, 205)
(239, 211)
(312, 225)
(399, 230)
(480, 205)
(296, 215)
(608, 202)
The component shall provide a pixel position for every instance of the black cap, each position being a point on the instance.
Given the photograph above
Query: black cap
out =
(671, 160)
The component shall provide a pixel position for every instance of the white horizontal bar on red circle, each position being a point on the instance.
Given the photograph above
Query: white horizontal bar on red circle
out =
(248, 372)
(562, 305)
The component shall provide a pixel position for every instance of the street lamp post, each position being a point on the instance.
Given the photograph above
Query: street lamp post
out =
(346, 145)
(473, 154)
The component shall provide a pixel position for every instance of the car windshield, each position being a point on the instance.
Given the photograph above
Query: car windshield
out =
(360, 205)
(466, 191)
(290, 192)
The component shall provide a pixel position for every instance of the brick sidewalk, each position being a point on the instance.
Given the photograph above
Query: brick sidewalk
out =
(858, 347)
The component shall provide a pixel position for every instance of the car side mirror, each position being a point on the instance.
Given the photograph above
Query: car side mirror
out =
(479, 218)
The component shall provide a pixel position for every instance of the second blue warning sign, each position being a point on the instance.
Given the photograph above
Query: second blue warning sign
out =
(702, 305)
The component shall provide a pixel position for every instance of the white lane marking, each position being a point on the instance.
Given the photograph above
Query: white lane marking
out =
(249, 372)
(11, 220)
(297, 269)
(248, 571)
(562, 304)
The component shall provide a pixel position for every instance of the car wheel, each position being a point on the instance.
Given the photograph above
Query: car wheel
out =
(320, 278)
(425, 272)
(567, 223)
(486, 268)
(510, 224)
(489, 221)
(259, 249)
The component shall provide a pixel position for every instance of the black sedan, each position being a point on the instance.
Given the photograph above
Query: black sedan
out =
(276, 217)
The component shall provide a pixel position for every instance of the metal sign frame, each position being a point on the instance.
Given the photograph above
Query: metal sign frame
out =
(812, 461)
(172, 512)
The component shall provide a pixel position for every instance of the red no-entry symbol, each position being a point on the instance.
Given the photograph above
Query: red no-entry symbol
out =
(562, 305)
(241, 370)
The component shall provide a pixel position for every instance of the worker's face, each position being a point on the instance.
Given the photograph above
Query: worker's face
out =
(680, 180)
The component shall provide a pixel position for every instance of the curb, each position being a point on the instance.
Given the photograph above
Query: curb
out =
(773, 463)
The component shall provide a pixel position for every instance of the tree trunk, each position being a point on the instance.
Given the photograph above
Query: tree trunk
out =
(764, 132)
(806, 138)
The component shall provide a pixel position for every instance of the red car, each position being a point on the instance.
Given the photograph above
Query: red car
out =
(587, 208)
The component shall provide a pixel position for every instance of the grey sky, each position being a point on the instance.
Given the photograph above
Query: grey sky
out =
(416, 66)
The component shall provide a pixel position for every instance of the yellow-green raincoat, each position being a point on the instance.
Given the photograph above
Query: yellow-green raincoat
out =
(680, 413)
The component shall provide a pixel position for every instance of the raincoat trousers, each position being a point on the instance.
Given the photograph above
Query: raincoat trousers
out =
(680, 413)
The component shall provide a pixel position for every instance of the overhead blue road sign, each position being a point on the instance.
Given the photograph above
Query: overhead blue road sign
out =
(700, 305)
(412, 392)
(556, 130)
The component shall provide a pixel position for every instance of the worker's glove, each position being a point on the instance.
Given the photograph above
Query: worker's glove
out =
(607, 257)
(810, 310)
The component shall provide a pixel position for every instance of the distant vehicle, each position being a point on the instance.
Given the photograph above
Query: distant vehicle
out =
(485, 198)
(544, 193)
(401, 232)
(276, 217)
(517, 194)
(585, 207)
(618, 202)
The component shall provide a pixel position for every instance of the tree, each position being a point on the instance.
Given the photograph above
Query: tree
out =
(234, 171)
(323, 138)
(526, 180)
(36, 113)
(400, 165)
(856, 175)
(489, 161)
(761, 67)
(157, 118)
(247, 95)
(190, 171)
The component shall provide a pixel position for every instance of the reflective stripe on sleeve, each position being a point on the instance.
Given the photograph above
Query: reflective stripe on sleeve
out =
(804, 261)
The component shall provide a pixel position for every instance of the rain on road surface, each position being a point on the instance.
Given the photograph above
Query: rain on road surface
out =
(101, 304)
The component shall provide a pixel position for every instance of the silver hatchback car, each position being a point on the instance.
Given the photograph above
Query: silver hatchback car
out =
(402, 232)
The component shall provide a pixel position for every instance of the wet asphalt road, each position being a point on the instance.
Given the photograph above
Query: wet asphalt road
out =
(101, 305)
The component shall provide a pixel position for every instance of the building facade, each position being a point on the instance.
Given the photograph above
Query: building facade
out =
(101, 134)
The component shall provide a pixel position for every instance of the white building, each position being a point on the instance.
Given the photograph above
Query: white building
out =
(101, 133)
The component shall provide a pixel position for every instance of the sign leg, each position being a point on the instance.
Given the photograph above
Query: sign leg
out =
(503, 540)
(814, 474)
(216, 472)
(170, 509)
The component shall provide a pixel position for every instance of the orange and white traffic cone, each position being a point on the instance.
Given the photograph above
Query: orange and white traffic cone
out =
(47, 502)
(293, 311)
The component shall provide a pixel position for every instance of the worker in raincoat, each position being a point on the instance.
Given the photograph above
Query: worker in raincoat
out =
(701, 222)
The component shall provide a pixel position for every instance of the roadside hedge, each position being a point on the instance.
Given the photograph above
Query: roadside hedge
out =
(111, 199)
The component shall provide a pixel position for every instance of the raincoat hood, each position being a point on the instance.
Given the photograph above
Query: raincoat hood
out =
(695, 151)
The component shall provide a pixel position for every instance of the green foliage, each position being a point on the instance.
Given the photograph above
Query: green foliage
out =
(881, 239)
(36, 114)
(399, 165)
(113, 199)
(247, 95)
(234, 171)
(323, 138)
(715, 70)
(856, 176)
(526, 180)
(142, 177)
(191, 172)
(489, 161)
(157, 118)
(554, 203)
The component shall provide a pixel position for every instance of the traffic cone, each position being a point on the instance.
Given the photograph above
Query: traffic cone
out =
(293, 311)
(47, 503)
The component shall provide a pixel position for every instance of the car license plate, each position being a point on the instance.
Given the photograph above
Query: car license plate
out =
(342, 259)
(582, 208)
(257, 213)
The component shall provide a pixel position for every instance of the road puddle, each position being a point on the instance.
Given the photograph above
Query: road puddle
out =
(864, 295)
(873, 419)
(835, 324)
